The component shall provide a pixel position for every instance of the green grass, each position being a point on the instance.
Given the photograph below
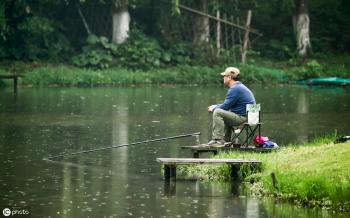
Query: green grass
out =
(319, 65)
(316, 174)
(63, 75)
(257, 70)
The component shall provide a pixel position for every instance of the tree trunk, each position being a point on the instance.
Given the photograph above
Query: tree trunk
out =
(121, 21)
(201, 25)
(301, 25)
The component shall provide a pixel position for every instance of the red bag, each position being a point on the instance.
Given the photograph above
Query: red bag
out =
(260, 140)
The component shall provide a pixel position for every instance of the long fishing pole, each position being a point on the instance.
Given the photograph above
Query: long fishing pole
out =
(123, 145)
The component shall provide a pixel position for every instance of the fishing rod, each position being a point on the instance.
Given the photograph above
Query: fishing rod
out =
(123, 145)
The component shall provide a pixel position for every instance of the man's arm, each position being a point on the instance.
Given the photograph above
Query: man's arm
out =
(231, 99)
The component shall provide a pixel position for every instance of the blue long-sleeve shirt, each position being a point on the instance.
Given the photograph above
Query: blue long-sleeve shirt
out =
(237, 97)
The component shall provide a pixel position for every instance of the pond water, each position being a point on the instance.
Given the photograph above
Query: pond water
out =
(127, 181)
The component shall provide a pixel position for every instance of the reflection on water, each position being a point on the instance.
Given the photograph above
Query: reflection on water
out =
(127, 181)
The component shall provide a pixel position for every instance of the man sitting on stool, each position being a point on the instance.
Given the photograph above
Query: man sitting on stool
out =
(233, 111)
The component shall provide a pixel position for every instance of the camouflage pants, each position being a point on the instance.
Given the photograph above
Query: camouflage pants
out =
(222, 123)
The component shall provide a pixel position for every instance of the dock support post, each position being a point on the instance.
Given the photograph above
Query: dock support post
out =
(234, 172)
(170, 187)
(15, 85)
(169, 172)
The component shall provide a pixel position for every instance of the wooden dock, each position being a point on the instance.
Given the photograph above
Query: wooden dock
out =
(170, 164)
(14, 77)
(203, 148)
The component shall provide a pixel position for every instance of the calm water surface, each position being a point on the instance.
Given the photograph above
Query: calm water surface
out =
(127, 182)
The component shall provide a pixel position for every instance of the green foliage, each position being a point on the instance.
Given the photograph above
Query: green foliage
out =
(139, 52)
(248, 170)
(206, 172)
(145, 53)
(254, 73)
(71, 76)
(260, 71)
(2, 83)
(96, 54)
(217, 173)
(3, 23)
(37, 26)
(175, 7)
(40, 39)
(181, 74)
(330, 20)
(38, 30)
(28, 35)
(179, 53)
(335, 65)
(312, 68)
(277, 49)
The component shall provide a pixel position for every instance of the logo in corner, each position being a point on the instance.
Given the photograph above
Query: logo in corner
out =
(6, 212)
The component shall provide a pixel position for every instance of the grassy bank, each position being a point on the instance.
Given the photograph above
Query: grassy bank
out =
(257, 70)
(314, 175)
(71, 76)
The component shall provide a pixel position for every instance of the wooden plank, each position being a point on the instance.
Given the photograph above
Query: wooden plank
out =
(200, 148)
(203, 148)
(178, 161)
(197, 149)
(8, 76)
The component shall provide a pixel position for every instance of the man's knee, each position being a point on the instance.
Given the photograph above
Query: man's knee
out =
(218, 112)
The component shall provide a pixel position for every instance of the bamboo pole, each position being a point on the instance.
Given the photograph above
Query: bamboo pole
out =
(246, 38)
(221, 20)
(226, 34)
(218, 33)
(232, 33)
(83, 18)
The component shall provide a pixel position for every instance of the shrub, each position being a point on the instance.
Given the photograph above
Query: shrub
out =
(277, 49)
(140, 52)
(312, 68)
(96, 54)
(39, 37)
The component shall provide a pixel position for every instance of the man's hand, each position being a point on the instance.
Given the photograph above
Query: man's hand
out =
(211, 108)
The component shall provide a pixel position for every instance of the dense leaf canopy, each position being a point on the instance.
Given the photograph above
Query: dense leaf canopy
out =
(53, 30)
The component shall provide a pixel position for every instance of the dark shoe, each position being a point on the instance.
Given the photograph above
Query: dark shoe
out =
(228, 144)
